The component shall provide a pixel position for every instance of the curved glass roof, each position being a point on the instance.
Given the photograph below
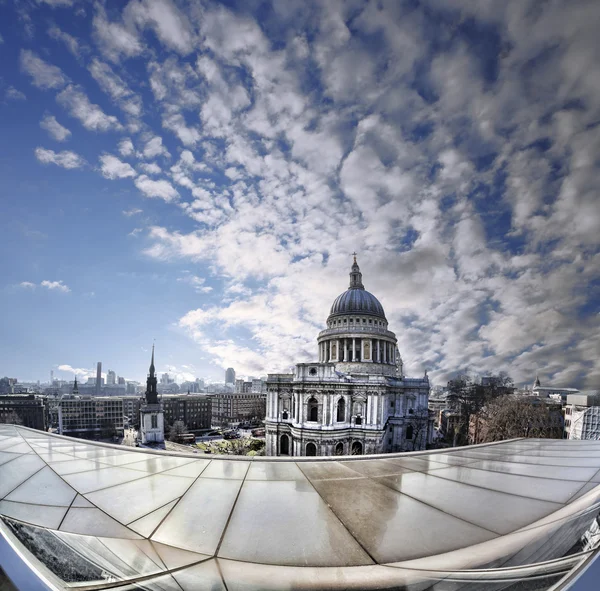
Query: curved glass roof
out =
(99, 514)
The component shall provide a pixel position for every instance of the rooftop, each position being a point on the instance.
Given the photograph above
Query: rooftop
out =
(163, 520)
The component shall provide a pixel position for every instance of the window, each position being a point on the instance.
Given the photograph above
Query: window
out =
(341, 411)
(411, 411)
(284, 416)
(409, 432)
(313, 410)
(358, 421)
(370, 321)
(339, 449)
(311, 449)
(357, 448)
(284, 445)
(364, 320)
(312, 371)
(154, 421)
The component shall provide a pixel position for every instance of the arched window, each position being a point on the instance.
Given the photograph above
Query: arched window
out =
(367, 351)
(409, 432)
(284, 446)
(339, 449)
(311, 449)
(357, 448)
(284, 415)
(341, 411)
(313, 409)
(358, 421)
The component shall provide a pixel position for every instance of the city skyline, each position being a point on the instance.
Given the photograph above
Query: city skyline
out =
(201, 175)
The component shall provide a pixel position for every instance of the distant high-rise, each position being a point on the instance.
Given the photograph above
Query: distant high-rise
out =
(111, 378)
(230, 375)
(98, 378)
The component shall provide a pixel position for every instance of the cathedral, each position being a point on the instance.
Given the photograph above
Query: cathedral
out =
(355, 399)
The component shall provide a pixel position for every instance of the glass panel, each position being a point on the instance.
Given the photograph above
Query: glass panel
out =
(558, 491)
(312, 535)
(150, 493)
(201, 576)
(274, 471)
(34, 514)
(91, 480)
(191, 470)
(375, 467)
(93, 522)
(81, 502)
(496, 511)
(14, 473)
(197, 522)
(562, 473)
(43, 488)
(327, 470)
(122, 459)
(394, 527)
(76, 465)
(226, 469)
(153, 465)
(147, 524)
(55, 456)
(176, 557)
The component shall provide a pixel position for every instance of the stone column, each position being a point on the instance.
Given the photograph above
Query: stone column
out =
(378, 352)
(353, 350)
(338, 354)
(384, 352)
(345, 349)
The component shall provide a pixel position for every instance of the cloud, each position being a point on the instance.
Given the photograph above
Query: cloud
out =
(151, 167)
(54, 128)
(116, 88)
(55, 286)
(198, 283)
(12, 94)
(71, 42)
(43, 75)
(113, 168)
(91, 116)
(27, 285)
(113, 38)
(78, 371)
(132, 211)
(66, 159)
(154, 148)
(168, 22)
(161, 189)
(126, 147)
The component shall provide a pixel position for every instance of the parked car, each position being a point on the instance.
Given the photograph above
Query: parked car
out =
(231, 435)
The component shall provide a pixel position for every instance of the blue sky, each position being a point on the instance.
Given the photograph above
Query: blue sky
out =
(199, 173)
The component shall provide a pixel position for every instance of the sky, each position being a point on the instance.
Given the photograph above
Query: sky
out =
(199, 173)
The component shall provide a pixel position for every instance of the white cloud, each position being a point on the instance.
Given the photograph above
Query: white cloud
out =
(66, 158)
(92, 117)
(129, 212)
(115, 39)
(27, 285)
(151, 167)
(113, 168)
(54, 128)
(55, 286)
(169, 23)
(126, 147)
(161, 189)
(12, 94)
(116, 88)
(198, 283)
(78, 371)
(71, 42)
(154, 148)
(43, 74)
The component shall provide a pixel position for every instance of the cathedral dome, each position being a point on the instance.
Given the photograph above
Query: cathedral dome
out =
(356, 299)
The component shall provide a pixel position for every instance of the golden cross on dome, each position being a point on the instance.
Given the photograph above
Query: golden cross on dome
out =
(354, 255)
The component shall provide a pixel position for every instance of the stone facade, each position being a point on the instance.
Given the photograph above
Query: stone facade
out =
(355, 399)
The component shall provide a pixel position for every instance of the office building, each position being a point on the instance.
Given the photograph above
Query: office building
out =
(111, 378)
(193, 410)
(230, 408)
(28, 410)
(230, 376)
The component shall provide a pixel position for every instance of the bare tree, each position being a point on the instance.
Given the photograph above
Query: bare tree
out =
(177, 429)
(12, 418)
(419, 421)
(510, 417)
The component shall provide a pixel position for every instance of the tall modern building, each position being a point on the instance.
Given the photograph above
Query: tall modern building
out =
(98, 378)
(111, 378)
(152, 421)
(230, 376)
(355, 399)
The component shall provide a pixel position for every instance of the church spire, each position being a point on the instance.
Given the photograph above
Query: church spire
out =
(152, 363)
(356, 275)
(151, 393)
(75, 388)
